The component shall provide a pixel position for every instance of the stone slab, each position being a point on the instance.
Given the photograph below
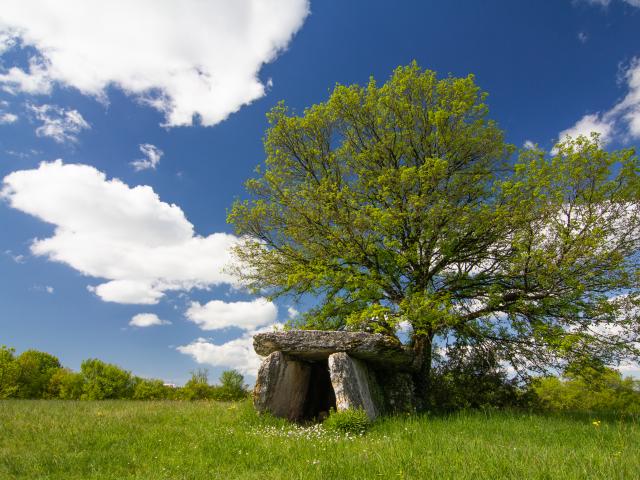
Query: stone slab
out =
(281, 386)
(352, 384)
(317, 345)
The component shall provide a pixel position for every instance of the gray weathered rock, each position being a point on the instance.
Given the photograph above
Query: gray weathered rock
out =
(318, 345)
(353, 384)
(281, 386)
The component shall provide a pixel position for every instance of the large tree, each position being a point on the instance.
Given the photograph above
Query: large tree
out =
(403, 203)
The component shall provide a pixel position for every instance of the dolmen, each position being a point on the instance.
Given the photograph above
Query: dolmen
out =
(308, 372)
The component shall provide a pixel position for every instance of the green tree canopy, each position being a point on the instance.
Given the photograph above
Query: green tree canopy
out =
(403, 202)
(36, 370)
(232, 385)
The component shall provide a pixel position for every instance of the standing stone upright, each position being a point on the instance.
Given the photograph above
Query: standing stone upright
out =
(353, 384)
(281, 386)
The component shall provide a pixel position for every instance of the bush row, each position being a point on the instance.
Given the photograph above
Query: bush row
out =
(476, 379)
(34, 374)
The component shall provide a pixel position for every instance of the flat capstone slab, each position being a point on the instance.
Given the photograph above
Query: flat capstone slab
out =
(315, 345)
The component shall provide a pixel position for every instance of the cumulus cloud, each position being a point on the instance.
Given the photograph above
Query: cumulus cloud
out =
(126, 235)
(147, 320)
(182, 58)
(60, 124)
(590, 123)
(528, 145)
(140, 292)
(237, 353)
(217, 314)
(292, 312)
(629, 108)
(622, 120)
(152, 156)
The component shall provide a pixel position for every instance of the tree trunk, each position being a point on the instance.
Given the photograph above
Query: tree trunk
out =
(423, 348)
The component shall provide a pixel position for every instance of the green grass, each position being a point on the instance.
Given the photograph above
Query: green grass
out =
(208, 440)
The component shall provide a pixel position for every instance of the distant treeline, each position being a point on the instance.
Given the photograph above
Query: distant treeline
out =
(39, 375)
(465, 380)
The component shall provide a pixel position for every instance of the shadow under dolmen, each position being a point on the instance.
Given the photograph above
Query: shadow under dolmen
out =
(308, 372)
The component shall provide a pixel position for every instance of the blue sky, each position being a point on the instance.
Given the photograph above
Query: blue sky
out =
(149, 116)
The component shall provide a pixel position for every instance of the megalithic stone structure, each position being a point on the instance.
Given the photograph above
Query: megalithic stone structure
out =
(308, 372)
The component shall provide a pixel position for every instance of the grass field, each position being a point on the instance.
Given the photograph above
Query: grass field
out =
(182, 440)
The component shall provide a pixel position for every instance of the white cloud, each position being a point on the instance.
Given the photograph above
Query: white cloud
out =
(629, 108)
(605, 3)
(18, 258)
(140, 292)
(147, 320)
(292, 312)
(182, 58)
(622, 120)
(238, 353)
(217, 314)
(590, 123)
(58, 123)
(6, 118)
(43, 289)
(128, 236)
(152, 158)
(27, 154)
(7, 41)
(528, 145)
(583, 37)
(33, 81)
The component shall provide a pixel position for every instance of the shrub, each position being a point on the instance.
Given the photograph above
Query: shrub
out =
(197, 388)
(352, 421)
(471, 377)
(105, 381)
(66, 385)
(151, 389)
(9, 373)
(590, 390)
